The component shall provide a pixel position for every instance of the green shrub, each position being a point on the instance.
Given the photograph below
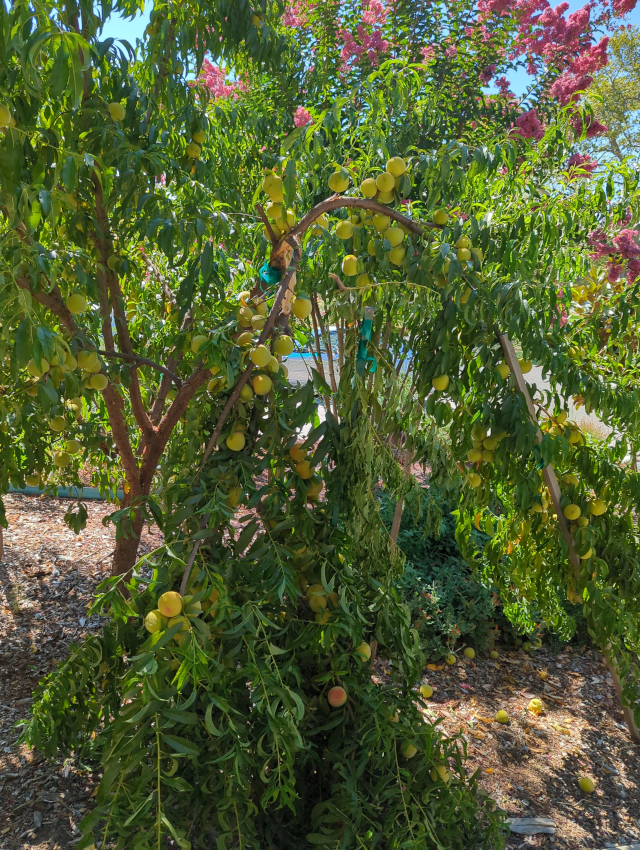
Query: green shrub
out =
(449, 606)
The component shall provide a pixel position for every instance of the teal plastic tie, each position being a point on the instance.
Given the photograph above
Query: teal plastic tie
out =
(269, 275)
(363, 357)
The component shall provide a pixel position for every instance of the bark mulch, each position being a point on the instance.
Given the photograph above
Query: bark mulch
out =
(47, 579)
(531, 766)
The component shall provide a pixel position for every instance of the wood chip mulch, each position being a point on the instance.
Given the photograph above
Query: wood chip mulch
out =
(47, 579)
(530, 766)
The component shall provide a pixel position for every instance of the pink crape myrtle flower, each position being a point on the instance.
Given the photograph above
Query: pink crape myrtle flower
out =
(529, 126)
(295, 14)
(504, 87)
(302, 117)
(214, 77)
(369, 39)
(578, 75)
(599, 241)
(623, 7)
(613, 272)
(428, 53)
(588, 124)
(581, 162)
(549, 37)
(626, 244)
(633, 271)
(487, 73)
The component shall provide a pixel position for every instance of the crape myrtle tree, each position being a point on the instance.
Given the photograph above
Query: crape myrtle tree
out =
(229, 697)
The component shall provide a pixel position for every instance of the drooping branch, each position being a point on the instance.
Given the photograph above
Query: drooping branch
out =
(52, 299)
(341, 201)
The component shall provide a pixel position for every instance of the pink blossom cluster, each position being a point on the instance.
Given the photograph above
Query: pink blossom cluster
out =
(549, 35)
(546, 37)
(503, 86)
(368, 39)
(577, 77)
(633, 271)
(589, 125)
(582, 164)
(214, 77)
(599, 242)
(624, 247)
(529, 126)
(626, 244)
(428, 52)
(487, 73)
(302, 117)
(296, 14)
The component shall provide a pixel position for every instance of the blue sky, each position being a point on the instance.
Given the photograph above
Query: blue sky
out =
(118, 27)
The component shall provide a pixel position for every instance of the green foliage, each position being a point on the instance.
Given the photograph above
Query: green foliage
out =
(449, 606)
(224, 730)
(216, 728)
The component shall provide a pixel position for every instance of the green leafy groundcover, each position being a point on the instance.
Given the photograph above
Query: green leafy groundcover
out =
(450, 606)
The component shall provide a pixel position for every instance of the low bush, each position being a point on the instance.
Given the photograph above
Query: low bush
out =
(449, 607)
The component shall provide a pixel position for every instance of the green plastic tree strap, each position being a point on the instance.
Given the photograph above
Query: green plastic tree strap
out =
(269, 275)
(363, 357)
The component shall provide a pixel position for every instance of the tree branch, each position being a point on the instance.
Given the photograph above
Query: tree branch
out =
(52, 301)
(341, 285)
(339, 201)
(271, 320)
(104, 244)
(143, 361)
(156, 446)
(267, 224)
(115, 409)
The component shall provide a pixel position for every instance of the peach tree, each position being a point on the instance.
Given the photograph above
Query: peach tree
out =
(234, 680)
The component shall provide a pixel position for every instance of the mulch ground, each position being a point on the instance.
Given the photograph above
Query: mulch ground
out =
(47, 579)
(530, 767)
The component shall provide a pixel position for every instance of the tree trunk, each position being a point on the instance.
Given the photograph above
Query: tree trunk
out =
(397, 514)
(126, 552)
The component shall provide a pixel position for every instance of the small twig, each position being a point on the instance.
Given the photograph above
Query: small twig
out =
(397, 515)
(192, 556)
(104, 557)
(267, 224)
(326, 339)
(341, 285)
(144, 361)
